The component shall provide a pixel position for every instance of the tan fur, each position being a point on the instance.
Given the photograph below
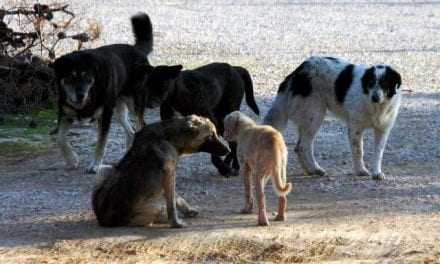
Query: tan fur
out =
(262, 153)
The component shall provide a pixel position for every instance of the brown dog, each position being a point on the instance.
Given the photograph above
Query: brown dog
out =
(261, 152)
(132, 191)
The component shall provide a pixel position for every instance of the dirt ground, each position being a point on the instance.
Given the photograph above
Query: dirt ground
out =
(45, 210)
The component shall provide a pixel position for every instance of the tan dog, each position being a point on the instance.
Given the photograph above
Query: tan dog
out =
(262, 153)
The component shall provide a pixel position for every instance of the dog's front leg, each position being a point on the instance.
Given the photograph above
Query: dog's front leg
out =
(123, 118)
(169, 186)
(380, 138)
(104, 123)
(69, 155)
(356, 136)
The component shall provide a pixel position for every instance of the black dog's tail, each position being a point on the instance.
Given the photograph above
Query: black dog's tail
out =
(143, 32)
(248, 89)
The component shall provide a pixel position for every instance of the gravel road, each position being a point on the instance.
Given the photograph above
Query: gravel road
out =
(45, 212)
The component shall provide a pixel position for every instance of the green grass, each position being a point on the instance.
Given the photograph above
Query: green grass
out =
(12, 148)
(16, 136)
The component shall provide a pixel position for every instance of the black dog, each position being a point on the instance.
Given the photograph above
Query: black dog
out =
(212, 91)
(95, 83)
(132, 192)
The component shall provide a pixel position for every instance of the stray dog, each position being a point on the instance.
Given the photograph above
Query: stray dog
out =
(95, 83)
(212, 91)
(362, 96)
(261, 153)
(130, 192)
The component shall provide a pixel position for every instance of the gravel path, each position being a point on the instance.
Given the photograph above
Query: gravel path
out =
(45, 212)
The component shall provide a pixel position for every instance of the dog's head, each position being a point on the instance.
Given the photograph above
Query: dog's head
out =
(200, 135)
(159, 85)
(380, 83)
(75, 75)
(233, 123)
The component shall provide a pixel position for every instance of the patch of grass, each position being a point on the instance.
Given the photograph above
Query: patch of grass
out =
(27, 133)
(19, 125)
(12, 148)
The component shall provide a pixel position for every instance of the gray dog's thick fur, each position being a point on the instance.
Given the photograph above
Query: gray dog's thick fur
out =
(132, 191)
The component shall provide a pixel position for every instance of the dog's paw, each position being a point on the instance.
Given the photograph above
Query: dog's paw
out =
(92, 168)
(246, 210)
(177, 223)
(379, 176)
(362, 172)
(280, 218)
(263, 222)
(320, 172)
(72, 161)
(228, 172)
(191, 213)
(235, 172)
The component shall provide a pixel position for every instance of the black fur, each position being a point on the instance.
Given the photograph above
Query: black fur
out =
(368, 79)
(343, 83)
(390, 81)
(144, 38)
(300, 81)
(212, 91)
(332, 59)
(118, 70)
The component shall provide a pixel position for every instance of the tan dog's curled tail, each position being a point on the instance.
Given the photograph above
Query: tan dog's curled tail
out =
(280, 178)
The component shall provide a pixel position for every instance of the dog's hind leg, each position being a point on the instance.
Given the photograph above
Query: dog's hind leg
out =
(104, 123)
(123, 119)
(261, 198)
(69, 155)
(308, 126)
(380, 138)
(356, 135)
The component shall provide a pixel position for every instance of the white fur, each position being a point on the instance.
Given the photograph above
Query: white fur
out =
(358, 112)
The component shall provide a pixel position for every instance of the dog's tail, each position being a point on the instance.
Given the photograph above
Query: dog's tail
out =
(248, 89)
(143, 32)
(277, 116)
(280, 178)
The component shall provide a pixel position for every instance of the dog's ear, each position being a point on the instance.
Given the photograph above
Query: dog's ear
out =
(192, 126)
(391, 81)
(393, 78)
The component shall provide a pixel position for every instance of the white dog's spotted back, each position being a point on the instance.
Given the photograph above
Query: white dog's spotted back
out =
(362, 96)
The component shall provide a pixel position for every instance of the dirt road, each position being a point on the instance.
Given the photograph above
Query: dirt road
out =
(45, 212)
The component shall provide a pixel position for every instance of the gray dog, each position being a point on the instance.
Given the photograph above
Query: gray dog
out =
(131, 192)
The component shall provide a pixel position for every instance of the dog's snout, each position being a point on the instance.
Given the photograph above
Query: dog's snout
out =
(375, 98)
(215, 145)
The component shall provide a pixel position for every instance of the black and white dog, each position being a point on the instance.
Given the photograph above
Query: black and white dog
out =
(364, 97)
(95, 83)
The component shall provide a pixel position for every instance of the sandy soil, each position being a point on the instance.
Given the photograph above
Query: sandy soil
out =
(45, 212)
